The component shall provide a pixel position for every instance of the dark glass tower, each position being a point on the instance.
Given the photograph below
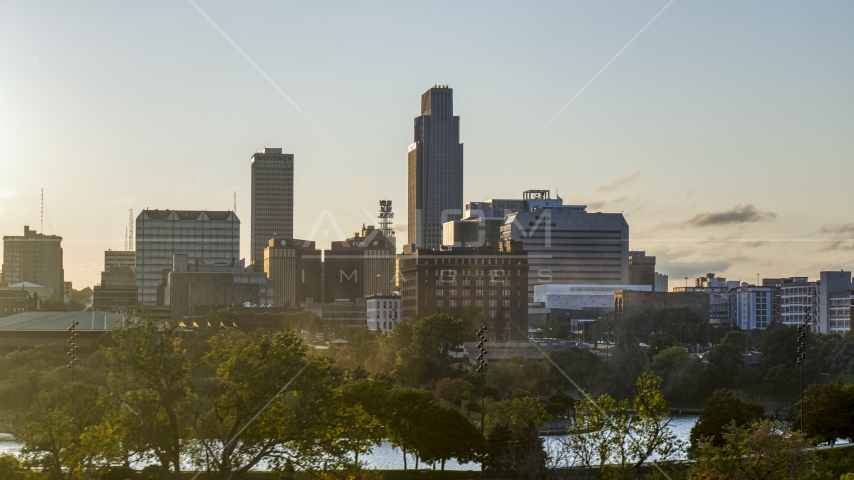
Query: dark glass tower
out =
(435, 169)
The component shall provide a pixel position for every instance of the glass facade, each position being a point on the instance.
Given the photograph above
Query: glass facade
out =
(212, 236)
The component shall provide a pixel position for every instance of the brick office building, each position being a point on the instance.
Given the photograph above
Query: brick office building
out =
(491, 280)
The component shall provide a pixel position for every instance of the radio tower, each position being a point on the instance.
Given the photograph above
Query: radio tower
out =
(385, 218)
(130, 246)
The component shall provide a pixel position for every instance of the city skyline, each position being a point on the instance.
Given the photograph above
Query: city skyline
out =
(720, 132)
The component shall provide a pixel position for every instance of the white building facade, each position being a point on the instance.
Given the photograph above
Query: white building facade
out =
(796, 294)
(383, 312)
(755, 306)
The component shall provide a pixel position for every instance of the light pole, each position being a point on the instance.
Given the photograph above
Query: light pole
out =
(481, 368)
(802, 355)
(72, 348)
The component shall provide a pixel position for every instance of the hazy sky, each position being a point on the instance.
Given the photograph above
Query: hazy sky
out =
(724, 132)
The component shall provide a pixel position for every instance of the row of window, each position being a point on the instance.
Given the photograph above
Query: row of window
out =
(468, 261)
(477, 303)
(440, 292)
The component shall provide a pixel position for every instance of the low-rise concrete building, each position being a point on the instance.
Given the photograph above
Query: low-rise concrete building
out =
(196, 289)
(628, 303)
(340, 313)
(576, 306)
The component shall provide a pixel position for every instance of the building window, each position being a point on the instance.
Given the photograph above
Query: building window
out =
(466, 302)
(440, 292)
(440, 303)
(493, 303)
(478, 292)
(452, 303)
(452, 292)
(478, 303)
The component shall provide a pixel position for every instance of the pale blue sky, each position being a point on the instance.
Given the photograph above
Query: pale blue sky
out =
(739, 107)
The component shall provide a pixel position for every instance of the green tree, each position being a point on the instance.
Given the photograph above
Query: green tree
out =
(604, 433)
(554, 330)
(422, 347)
(514, 447)
(725, 361)
(453, 390)
(83, 296)
(61, 433)
(517, 414)
(530, 376)
(723, 409)
(626, 363)
(405, 422)
(269, 401)
(579, 364)
(55, 305)
(449, 435)
(148, 385)
(11, 468)
(680, 374)
(598, 428)
(828, 412)
(22, 374)
(761, 450)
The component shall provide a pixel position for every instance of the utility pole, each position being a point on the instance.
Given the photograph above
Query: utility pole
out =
(72, 348)
(802, 333)
(481, 334)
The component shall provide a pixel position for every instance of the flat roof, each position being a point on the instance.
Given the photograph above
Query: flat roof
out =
(59, 321)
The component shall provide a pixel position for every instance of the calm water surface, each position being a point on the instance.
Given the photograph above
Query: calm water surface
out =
(387, 457)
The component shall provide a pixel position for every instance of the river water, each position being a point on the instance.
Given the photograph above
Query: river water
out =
(386, 457)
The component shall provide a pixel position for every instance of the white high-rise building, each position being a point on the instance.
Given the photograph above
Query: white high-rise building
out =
(272, 199)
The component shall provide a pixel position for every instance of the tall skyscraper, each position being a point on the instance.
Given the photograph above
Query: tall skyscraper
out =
(34, 258)
(211, 236)
(435, 169)
(272, 199)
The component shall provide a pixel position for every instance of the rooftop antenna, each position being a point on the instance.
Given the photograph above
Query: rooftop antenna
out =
(385, 218)
(235, 201)
(126, 238)
(130, 246)
(41, 229)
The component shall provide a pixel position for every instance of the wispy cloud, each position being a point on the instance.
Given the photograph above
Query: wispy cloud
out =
(619, 183)
(737, 215)
(842, 237)
(838, 229)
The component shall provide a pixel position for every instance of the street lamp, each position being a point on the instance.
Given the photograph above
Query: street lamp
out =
(72, 348)
(802, 355)
(481, 368)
